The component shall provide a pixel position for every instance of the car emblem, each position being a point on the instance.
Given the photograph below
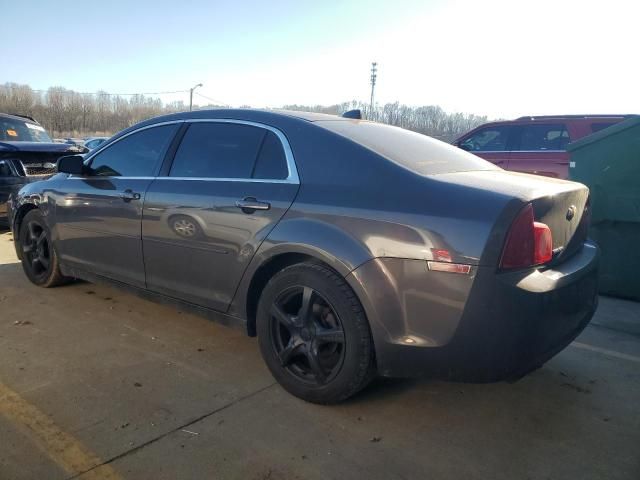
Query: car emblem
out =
(571, 212)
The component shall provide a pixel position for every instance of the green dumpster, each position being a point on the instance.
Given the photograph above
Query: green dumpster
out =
(608, 162)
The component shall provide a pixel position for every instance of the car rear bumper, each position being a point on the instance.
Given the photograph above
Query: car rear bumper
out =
(508, 325)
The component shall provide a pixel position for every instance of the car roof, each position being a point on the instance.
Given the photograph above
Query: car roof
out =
(557, 118)
(311, 116)
(245, 114)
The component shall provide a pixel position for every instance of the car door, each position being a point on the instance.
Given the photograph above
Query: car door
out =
(98, 215)
(493, 143)
(227, 186)
(540, 148)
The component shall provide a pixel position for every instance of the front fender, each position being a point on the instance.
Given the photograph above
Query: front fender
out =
(27, 198)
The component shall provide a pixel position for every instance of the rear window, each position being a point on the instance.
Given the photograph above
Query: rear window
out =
(596, 127)
(21, 131)
(414, 151)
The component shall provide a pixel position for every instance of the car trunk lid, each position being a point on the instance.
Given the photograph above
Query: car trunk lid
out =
(561, 205)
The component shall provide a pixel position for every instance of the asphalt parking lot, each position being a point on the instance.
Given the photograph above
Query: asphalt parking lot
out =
(97, 383)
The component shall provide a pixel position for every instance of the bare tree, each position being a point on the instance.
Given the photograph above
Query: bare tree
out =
(68, 113)
(430, 120)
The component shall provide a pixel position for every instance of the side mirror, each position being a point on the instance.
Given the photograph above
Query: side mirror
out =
(73, 164)
(465, 146)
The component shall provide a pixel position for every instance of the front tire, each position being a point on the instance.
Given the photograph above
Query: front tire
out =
(314, 335)
(39, 258)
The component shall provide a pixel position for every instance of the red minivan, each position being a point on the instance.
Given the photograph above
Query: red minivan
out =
(533, 144)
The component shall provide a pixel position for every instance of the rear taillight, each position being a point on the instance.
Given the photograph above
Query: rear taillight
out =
(528, 242)
(543, 244)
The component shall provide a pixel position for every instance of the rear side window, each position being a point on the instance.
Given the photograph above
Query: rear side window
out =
(413, 151)
(489, 139)
(271, 163)
(543, 137)
(137, 155)
(229, 150)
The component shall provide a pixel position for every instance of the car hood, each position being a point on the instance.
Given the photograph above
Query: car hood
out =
(53, 147)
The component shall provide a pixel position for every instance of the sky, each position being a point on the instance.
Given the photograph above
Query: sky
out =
(489, 57)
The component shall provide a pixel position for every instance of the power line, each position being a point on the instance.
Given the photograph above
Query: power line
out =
(217, 102)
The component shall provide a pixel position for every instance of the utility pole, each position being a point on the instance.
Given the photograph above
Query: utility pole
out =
(191, 96)
(374, 76)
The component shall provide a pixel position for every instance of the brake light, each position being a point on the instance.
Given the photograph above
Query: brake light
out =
(528, 242)
(543, 245)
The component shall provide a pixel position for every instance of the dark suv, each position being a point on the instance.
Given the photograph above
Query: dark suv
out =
(27, 154)
(533, 144)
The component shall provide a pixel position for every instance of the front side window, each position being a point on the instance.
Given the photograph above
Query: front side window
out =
(138, 155)
(229, 150)
(490, 139)
(543, 137)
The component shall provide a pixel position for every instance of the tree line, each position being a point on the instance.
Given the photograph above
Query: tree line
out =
(430, 120)
(65, 112)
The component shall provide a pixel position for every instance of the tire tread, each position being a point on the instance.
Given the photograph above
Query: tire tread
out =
(366, 369)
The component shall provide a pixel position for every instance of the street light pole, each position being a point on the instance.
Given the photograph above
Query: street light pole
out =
(191, 96)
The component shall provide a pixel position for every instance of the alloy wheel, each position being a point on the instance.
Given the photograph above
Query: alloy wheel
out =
(36, 248)
(307, 335)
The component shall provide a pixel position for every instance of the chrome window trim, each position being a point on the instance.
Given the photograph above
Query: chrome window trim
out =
(105, 177)
(246, 180)
(292, 170)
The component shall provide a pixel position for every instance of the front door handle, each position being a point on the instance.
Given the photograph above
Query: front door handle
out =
(129, 195)
(250, 205)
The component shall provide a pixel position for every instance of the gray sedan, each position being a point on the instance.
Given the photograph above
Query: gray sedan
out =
(350, 248)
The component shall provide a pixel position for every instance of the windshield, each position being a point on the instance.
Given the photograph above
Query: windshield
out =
(416, 152)
(15, 130)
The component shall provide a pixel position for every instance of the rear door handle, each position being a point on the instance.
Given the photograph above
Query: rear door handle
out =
(129, 195)
(250, 205)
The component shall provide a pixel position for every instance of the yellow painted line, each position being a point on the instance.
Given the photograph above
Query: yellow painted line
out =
(604, 351)
(62, 448)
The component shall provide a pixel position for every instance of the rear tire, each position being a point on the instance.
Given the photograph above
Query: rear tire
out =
(314, 335)
(39, 257)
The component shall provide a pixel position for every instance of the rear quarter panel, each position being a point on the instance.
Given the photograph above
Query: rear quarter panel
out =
(354, 206)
